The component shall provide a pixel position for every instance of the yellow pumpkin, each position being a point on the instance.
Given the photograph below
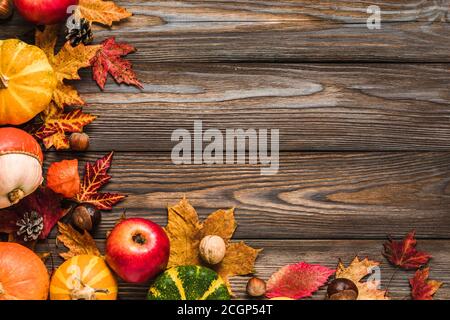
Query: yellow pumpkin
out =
(84, 277)
(27, 82)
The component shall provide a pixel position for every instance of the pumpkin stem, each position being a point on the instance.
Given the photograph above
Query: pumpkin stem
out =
(16, 195)
(3, 82)
(86, 292)
(2, 291)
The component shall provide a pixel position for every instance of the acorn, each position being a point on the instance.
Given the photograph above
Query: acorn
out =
(79, 141)
(256, 287)
(6, 9)
(342, 289)
(85, 216)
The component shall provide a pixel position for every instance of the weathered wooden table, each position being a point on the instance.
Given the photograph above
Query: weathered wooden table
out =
(364, 119)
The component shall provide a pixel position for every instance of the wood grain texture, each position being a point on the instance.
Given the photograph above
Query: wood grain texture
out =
(278, 253)
(296, 31)
(314, 195)
(315, 106)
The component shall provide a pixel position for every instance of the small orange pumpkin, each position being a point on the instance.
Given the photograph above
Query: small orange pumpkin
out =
(27, 81)
(23, 275)
(84, 277)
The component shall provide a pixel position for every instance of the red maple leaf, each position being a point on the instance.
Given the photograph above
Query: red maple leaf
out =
(43, 201)
(96, 176)
(109, 60)
(297, 281)
(404, 254)
(421, 287)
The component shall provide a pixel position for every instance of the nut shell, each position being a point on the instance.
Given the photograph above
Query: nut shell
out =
(342, 289)
(256, 287)
(212, 249)
(86, 217)
(79, 141)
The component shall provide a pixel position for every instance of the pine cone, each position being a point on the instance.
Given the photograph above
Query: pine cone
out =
(30, 226)
(80, 33)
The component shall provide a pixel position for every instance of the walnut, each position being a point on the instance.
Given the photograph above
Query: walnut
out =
(212, 249)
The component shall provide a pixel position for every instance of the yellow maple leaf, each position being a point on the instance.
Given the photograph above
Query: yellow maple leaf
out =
(70, 59)
(66, 95)
(357, 270)
(103, 12)
(183, 229)
(239, 260)
(58, 140)
(66, 64)
(76, 242)
(185, 232)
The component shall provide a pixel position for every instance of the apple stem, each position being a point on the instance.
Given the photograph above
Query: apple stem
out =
(3, 82)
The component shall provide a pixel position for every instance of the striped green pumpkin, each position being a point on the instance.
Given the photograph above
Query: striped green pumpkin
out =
(188, 283)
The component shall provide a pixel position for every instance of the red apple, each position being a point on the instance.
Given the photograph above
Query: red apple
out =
(44, 11)
(137, 250)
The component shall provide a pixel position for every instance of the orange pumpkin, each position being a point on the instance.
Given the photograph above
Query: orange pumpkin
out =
(27, 82)
(23, 275)
(84, 277)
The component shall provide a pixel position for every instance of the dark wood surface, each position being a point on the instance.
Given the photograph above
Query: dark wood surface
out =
(314, 195)
(363, 118)
(212, 31)
(315, 106)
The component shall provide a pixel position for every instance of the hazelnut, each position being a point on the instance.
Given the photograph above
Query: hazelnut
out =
(212, 249)
(79, 141)
(256, 287)
(342, 289)
(86, 217)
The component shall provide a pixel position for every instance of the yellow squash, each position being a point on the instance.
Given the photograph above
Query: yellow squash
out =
(27, 81)
(84, 277)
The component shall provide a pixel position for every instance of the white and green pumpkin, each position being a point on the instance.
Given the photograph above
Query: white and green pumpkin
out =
(189, 283)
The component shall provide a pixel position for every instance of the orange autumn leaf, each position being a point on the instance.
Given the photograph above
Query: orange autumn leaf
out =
(65, 63)
(356, 271)
(55, 124)
(95, 177)
(103, 12)
(76, 242)
(63, 178)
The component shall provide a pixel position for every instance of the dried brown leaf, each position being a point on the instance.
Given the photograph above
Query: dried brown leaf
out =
(76, 242)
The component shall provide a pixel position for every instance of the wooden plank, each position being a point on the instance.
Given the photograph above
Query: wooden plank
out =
(315, 106)
(213, 31)
(278, 253)
(314, 195)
